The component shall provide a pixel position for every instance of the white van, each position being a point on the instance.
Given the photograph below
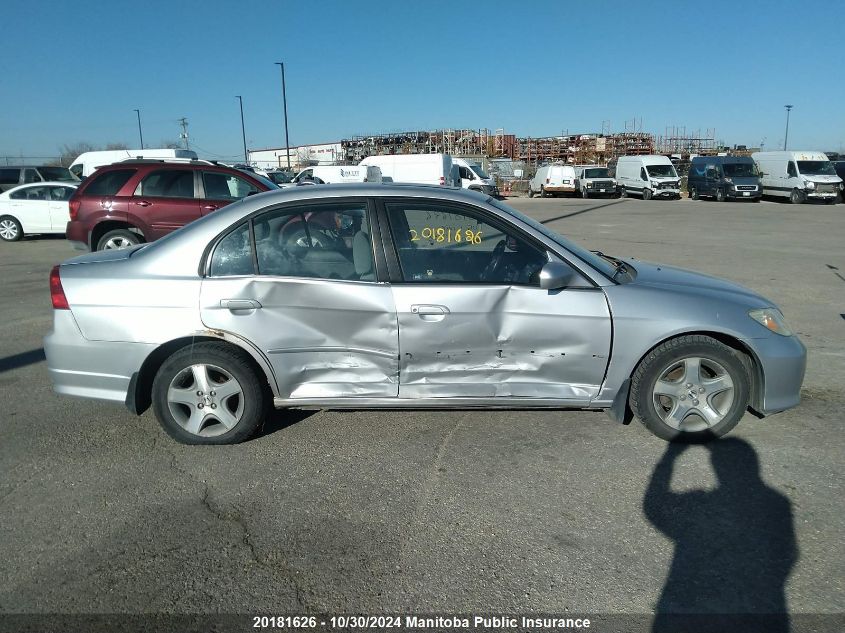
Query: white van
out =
(552, 179)
(649, 176)
(474, 178)
(424, 169)
(333, 174)
(798, 176)
(88, 162)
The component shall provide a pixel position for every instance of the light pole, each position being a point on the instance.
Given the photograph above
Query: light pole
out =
(243, 131)
(141, 134)
(786, 136)
(285, 105)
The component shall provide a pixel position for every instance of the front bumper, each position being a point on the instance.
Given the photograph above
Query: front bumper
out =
(666, 193)
(745, 195)
(90, 369)
(820, 195)
(783, 361)
(559, 188)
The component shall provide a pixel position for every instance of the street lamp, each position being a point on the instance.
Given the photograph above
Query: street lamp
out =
(285, 105)
(243, 131)
(141, 134)
(786, 136)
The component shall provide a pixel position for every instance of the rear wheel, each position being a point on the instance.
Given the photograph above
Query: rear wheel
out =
(693, 193)
(10, 229)
(720, 195)
(796, 197)
(542, 191)
(209, 393)
(690, 389)
(646, 194)
(117, 239)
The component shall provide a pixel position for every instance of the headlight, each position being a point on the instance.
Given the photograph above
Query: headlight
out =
(772, 320)
(809, 184)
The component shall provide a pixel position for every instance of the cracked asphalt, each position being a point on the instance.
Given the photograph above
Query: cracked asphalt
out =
(431, 511)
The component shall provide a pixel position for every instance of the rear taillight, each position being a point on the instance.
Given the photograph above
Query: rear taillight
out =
(442, 180)
(73, 207)
(57, 293)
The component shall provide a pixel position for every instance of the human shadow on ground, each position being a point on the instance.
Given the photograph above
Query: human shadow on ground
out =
(734, 546)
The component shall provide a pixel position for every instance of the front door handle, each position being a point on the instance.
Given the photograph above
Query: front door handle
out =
(430, 312)
(209, 207)
(239, 304)
(143, 203)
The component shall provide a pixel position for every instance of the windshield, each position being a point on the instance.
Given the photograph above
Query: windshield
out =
(661, 171)
(56, 173)
(280, 177)
(816, 168)
(592, 259)
(597, 172)
(739, 169)
(478, 171)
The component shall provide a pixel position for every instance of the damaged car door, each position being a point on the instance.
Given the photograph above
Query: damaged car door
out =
(299, 284)
(473, 320)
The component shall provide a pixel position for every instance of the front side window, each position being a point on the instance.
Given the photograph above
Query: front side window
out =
(167, 183)
(223, 186)
(31, 193)
(440, 243)
(790, 170)
(322, 241)
(30, 175)
(109, 183)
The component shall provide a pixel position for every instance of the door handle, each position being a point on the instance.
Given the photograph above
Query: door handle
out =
(239, 304)
(143, 203)
(210, 207)
(430, 312)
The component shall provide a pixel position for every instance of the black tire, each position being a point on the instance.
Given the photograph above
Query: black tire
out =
(585, 194)
(757, 199)
(646, 194)
(10, 229)
(623, 192)
(530, 192)
(251, 411)
(720, 194)
(645, 376)
(830, 201)
(122, 236)
(543, 193)
(796, 197)
(693, 193)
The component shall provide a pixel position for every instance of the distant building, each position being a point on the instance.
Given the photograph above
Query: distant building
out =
(300, 156)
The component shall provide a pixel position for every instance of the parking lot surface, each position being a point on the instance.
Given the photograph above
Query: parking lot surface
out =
(436, 511)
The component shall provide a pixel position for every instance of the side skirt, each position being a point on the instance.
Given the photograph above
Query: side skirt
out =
(431, 403)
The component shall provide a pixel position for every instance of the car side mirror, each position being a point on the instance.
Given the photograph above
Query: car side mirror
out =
(555, 275)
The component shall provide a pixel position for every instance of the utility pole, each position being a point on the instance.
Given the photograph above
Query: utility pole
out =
(285, 105)
(141, 134)
(184, 135)
(786, 136)
(243, 130)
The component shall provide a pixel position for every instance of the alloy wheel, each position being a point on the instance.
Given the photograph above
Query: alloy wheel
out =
(205, 400)
(693, 394)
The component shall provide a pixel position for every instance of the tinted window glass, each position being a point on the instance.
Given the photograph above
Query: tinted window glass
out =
(450, 244)
(31, 193)
(61, 193)
(56, 173)
(168, 183)
(790, 170)
(30, 175)
(10, 176)
(220, 186)
(233, 255)
(329, 242)
(108, 183)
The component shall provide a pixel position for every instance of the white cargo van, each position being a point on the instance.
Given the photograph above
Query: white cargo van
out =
(552, 179)
(424, 169)
(649, 176)
(88, 162)
(334, 174)
(474, 178)
(798, 176)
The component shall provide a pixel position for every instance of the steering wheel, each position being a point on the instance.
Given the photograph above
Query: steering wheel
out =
(495, 261)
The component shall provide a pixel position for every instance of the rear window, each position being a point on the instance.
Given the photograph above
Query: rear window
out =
(108, 183)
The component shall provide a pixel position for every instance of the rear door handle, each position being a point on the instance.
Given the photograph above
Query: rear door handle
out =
(239, 304)
(143, 203)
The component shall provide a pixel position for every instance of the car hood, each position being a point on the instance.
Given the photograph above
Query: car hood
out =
(672, 278)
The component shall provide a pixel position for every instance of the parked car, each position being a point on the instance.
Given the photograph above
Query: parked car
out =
(474, 178)
(335, 174)
(424, 169)
(724, 177)
(39, 207)
(839, 168)
(551, 180)
(592, 180)
(142, 200)
(406, 296)
(11, 176)
(649, 176)
(88, 162)
(799, 176)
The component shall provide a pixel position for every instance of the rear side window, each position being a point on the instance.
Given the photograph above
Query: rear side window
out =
(222, 186)
(30, 175)
(10, 176)
(109, 183)
(31, 193)
(167, 183)
(233, 255)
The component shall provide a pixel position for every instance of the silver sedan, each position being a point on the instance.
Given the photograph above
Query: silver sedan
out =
(365, 296)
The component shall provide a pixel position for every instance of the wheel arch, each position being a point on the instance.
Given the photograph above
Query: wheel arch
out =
(139, 393)
(621, 411)
(104, 226)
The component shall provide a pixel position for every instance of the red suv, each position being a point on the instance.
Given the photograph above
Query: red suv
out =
(136, 201)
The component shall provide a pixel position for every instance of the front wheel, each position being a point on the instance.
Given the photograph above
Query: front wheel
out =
(623, 192)
(10, 229)
(690, 389)
(118, 239)
(693, 193)
(720, 195)
(209, 393)
(796, 197)
(584, 194)
(646, 194)
(543, 193)
(530, 192)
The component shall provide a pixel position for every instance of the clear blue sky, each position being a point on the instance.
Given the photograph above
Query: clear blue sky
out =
(76, 70)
